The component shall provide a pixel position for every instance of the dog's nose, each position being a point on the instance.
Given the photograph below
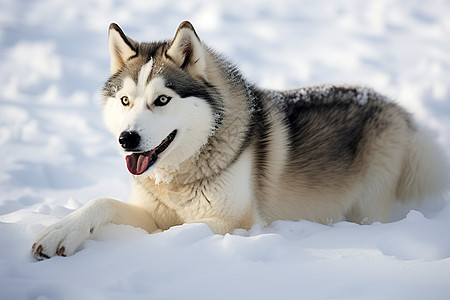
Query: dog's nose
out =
(129, 140)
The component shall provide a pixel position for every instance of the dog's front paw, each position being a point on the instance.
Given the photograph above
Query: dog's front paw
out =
(62, 238)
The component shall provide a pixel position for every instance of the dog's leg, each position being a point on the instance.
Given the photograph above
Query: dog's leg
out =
(64, 237)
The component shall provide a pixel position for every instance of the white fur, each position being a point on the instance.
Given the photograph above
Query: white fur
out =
(143, 78)
(67, 235)
(190, 116)
(222, 189)
(224, 204)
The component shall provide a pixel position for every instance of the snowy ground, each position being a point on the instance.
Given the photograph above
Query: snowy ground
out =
(55, 154)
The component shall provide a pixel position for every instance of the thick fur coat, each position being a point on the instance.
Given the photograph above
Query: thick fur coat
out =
(205, 145)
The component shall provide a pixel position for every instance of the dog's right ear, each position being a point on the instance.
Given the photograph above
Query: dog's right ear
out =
(186, 50)
(121, 48)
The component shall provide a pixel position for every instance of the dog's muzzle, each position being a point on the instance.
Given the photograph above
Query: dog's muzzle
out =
(139, 161)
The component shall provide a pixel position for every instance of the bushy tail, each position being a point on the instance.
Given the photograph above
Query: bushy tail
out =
(426, 171)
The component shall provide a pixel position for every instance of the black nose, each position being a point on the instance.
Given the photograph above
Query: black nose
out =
(129, 140)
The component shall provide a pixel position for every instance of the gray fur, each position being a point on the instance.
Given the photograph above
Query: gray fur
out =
(331, 132)
(331, 135)
(323, 153)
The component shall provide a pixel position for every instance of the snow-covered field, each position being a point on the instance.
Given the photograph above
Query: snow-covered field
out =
(55, 154)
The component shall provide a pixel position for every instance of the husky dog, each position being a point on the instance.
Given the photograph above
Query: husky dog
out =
(205, 145)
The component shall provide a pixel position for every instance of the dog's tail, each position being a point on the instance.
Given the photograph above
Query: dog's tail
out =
(426, 171)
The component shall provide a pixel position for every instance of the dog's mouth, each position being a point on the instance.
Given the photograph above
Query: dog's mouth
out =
(138, 163)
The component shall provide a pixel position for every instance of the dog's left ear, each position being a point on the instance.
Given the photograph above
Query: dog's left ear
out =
(121, 47)
(186, 50)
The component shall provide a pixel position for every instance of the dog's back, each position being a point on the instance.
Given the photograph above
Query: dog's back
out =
(350, 153)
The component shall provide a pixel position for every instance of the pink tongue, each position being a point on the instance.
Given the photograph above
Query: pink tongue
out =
(137, 163)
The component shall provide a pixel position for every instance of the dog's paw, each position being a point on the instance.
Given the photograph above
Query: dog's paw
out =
(62, 238)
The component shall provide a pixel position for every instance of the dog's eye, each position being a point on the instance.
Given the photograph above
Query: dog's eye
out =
(125, 101)
(162, 100)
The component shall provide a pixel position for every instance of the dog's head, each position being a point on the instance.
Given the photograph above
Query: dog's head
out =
(159, 102)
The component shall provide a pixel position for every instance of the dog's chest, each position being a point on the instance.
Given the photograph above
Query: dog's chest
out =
(189, 201)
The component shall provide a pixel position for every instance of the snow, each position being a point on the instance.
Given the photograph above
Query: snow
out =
(55, 153)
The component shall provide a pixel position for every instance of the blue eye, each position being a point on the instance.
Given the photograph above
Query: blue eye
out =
(162, 100)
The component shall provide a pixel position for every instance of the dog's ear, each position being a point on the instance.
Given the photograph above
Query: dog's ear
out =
(186, 50)
(121, 47)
